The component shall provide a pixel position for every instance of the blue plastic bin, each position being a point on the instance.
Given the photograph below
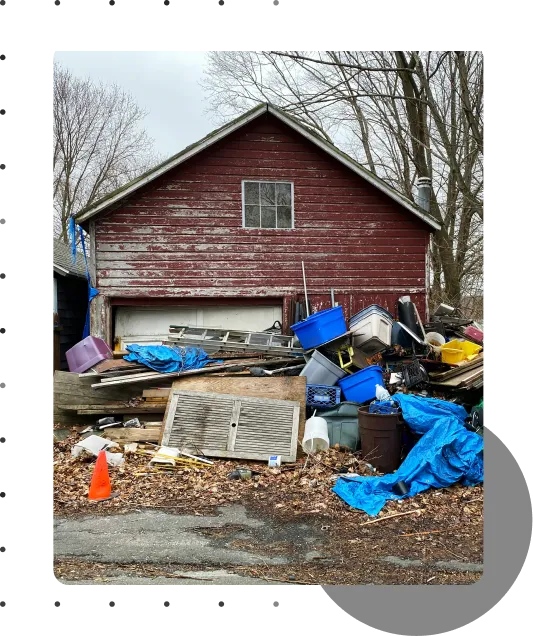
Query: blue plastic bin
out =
(321, 396)
(361, 386)
(320, 327)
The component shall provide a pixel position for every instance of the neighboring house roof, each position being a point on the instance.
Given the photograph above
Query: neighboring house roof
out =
(63, 260)
(116, 196)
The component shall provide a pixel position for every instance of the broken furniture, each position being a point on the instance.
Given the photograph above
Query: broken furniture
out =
(231, 426)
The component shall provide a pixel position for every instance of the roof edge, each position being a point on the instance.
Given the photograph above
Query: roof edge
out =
(190, 151)
(172, 162)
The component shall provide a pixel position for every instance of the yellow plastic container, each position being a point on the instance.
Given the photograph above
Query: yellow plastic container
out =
(456, 351)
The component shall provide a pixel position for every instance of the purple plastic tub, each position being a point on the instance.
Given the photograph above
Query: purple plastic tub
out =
(87, 353)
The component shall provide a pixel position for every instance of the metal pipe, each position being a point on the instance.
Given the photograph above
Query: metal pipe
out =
(332, 297)
(305, 291)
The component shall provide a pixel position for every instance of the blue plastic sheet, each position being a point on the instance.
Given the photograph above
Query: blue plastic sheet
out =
(383, 407)
(168, 359)
(446, 453)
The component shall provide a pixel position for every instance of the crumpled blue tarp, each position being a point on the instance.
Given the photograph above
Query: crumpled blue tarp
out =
(168, 359)
(422, 413)
(446, 453)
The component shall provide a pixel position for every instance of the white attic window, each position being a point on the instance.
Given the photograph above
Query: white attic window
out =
(268, 204)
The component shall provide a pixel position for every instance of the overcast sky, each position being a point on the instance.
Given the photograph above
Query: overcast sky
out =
(164, 84)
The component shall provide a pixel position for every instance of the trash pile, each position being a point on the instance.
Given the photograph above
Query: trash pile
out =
(400, 398)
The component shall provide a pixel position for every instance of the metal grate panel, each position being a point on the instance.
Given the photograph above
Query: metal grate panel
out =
(232, 426)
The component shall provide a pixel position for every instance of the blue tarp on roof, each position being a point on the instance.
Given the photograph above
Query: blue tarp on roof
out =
(446, 453)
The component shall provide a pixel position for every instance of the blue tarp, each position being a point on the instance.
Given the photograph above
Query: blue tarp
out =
(168, 359)
(446, 453)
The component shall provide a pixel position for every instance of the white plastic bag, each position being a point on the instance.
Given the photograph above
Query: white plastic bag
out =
(381, 393)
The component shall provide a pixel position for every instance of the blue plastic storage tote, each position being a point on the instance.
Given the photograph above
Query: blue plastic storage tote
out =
(320, 327)
(321, 396)
(361, 386)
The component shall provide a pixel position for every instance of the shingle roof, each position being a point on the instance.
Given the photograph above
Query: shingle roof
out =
(116, 196)
(63, 259)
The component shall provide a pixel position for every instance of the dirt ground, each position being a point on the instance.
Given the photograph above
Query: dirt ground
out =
(439, 542)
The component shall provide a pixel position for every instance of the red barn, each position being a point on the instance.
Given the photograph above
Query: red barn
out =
(215, 235)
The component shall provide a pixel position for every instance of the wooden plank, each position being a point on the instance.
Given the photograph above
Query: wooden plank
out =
(292, 388)
(116, 365)
(156, 393)
(116, 407)
(121, 411)
(156, 377)
(461, 380)
(69, 389)
(127, 435)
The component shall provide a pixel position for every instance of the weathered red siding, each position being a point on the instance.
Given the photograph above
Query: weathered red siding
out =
(182, 235)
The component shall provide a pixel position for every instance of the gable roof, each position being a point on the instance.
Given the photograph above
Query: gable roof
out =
(63, 261)
(116, 196)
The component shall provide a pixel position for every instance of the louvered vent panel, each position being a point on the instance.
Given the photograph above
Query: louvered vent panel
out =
(221, 425)
(201, 422)
(265, 428)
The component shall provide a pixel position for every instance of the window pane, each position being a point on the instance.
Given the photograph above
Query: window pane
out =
(284, 216)
(268, 194)
(251, 193)
(251, 216)
(283, 191)
(268, 216)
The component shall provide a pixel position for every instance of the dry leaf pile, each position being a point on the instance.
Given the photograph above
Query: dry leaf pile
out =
(301, 487)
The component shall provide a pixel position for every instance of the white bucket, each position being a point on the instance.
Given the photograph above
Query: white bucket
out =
(315, 435)
(436, 340)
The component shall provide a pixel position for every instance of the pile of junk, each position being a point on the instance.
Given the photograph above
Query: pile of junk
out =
(408, 394)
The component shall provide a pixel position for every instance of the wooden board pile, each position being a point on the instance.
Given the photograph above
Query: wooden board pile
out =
(127, 390)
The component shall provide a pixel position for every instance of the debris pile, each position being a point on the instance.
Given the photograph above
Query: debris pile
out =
(185, 414)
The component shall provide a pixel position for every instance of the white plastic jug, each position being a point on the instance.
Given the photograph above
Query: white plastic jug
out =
(315, 435)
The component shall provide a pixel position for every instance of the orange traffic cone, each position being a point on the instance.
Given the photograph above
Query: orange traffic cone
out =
(100, 485)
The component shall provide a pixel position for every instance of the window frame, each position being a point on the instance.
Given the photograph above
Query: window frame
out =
(244, 226)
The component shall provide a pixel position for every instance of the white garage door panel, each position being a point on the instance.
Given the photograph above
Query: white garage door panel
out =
(139, 325)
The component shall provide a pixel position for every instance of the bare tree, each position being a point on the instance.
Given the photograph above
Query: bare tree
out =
(99, 144)
(402, 114)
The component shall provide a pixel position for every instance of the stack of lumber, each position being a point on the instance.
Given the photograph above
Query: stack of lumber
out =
(468, 375)
(147, 376)
(72, 391)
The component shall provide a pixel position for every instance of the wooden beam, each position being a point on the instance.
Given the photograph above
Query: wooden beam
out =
(157, 377)
(101, 318)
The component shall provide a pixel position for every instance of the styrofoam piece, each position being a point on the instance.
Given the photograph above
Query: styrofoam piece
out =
(164, 456)
(372, 334)
(94, 444)
(320, 370)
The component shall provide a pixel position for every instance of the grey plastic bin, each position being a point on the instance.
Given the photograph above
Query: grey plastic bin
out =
(320, 370)
(343, 425)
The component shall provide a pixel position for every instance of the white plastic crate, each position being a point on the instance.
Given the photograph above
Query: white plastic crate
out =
(372, 333)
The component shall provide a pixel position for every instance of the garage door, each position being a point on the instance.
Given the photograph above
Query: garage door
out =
(149, 325)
